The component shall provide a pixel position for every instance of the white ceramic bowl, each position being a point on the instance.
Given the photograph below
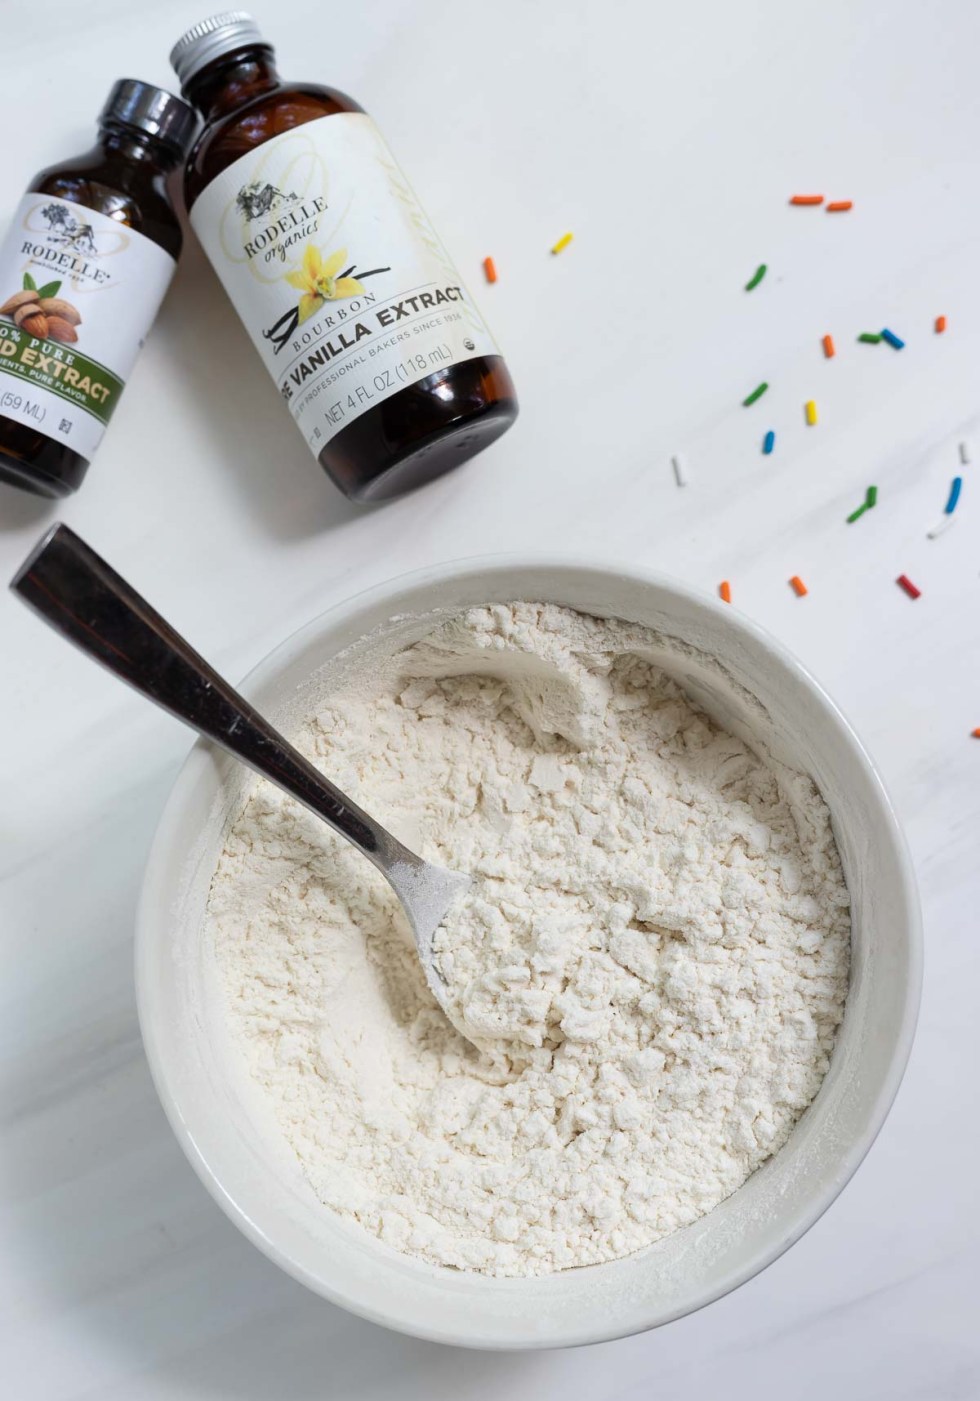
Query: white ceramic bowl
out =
(231, 1139)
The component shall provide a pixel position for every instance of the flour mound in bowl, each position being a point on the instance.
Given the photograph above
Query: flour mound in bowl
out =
(652, 959)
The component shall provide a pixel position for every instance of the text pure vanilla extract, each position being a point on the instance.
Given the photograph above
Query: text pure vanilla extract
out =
(344, 287)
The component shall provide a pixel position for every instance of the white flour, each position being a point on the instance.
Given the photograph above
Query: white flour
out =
(653, 959)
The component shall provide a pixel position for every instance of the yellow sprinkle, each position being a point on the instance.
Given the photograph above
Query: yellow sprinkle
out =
(811, 412)
(563, 242)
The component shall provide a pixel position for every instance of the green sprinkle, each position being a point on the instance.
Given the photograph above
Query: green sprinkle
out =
(756, 394)
(870, 499)
(757, 277)
(869, 338)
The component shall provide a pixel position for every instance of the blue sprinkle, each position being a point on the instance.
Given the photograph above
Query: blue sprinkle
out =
(954, 495)
(893, 340)
(769, 441)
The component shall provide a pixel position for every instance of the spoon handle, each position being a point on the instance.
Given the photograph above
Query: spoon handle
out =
(85, 600)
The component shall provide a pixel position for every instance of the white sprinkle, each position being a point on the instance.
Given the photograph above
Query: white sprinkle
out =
(680, 473)
(964, 453)
(944, 524)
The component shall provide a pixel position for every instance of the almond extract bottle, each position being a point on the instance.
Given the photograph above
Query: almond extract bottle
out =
(83, 270)
(343, 285)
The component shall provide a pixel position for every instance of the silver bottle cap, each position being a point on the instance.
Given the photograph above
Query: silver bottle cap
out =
(155, 111)
(210, 39)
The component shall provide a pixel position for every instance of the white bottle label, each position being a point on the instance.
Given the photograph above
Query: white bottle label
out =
(334, 268)
(85, 290)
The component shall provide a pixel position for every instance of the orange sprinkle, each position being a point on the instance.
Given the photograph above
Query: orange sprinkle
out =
(828, 347)
(976, 733)
(807, 199)
(797, 585)
(490, 269)
(940, 325)
(725, 590)
(840, 206)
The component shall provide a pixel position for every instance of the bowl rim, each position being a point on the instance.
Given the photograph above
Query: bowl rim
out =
(149, 928)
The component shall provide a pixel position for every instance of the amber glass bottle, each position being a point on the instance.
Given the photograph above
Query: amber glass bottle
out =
(83, 269)
(344, 287)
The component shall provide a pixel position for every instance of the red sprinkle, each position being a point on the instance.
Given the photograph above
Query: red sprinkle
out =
(840, 206)
(490, 269)
(904, 582)
(828, 347)
(798, 586)
(725, 589)
(807, 199)
(940, 325)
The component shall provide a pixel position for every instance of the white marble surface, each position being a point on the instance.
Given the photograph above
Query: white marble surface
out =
(668, 137)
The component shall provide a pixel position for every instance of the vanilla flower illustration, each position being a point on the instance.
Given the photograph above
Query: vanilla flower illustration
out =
(318, 281)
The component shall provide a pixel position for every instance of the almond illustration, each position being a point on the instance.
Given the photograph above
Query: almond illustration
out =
(32, 320)
(59, 328)
(19, 299)
(57, 306)
(30, 308)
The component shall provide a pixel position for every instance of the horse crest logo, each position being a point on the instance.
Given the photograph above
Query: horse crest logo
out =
(65, 229)
(258, 200)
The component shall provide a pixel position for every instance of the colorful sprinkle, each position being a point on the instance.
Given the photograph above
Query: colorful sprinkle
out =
(940, 325)
(954, 495)
(562, 243)
(964, 451)
(810, 410)
(870, 500)
(798, 586)
(937, 530)
(894, 341)
(490, 269)
(757, 393)
(725, 591)
(869, 338)
(904, 582)
(756, 278)
(976, 733)
(680, 472)
(807, 199)
(840, 206)
(769, 442)
(828, 347)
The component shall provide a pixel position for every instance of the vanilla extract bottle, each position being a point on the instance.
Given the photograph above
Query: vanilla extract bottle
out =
(343, 285)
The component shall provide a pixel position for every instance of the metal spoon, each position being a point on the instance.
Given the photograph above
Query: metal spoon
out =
(82, 598)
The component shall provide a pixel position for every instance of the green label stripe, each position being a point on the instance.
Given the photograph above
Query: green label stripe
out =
(60, 370)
